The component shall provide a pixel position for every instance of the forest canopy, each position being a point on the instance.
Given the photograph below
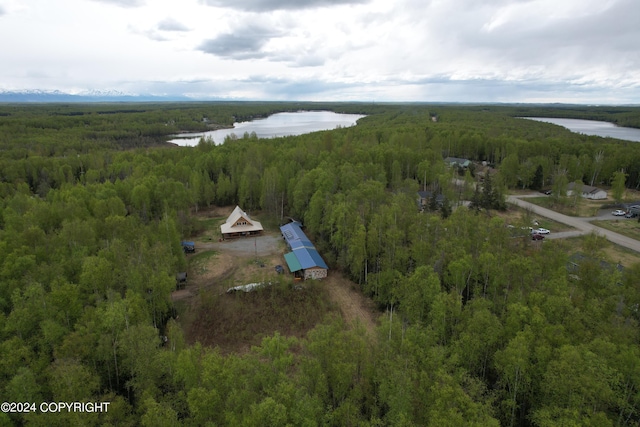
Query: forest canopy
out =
(486, 330)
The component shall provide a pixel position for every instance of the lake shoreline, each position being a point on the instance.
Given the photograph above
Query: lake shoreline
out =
(599, 128)
(280, 124)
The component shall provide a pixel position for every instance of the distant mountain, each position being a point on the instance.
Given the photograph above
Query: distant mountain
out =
(89, 96)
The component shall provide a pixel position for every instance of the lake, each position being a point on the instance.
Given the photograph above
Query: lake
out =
(279, 124)
(593, 127)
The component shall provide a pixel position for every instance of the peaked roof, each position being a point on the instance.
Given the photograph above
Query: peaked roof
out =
(428, 194)
(230, 224)
(457, 160)
(587, 189)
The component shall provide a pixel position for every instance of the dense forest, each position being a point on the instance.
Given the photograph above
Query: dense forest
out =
(476, 328)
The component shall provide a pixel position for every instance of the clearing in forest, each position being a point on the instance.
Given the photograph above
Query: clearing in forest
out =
(236, 321)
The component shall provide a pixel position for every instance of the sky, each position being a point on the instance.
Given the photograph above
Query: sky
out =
(569, 51)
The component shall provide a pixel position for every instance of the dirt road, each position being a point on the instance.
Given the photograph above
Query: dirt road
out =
(355, 307)
(582, 224)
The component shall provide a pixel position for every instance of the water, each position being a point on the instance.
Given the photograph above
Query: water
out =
(279, 124)
(593, 127)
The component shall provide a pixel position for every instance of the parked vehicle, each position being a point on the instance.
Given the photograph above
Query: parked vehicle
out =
(537, 236)
(618, 212)
(541, 231)
(630, 215)
(188, 247)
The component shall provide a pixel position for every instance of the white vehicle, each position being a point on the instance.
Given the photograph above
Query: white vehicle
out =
(541, 231)
(618, 212)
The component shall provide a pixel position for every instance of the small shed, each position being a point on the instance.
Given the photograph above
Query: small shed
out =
(181, 279)
(424, 197)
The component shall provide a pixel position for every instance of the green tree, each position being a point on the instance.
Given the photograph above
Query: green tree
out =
(509, 169)
(559, 189)
(618, 185)
(513, 364)
(538, 179)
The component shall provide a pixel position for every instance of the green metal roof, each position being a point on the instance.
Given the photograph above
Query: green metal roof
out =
(292, 262)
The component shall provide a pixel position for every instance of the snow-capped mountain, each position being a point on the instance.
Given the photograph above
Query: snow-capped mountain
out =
(38, 95)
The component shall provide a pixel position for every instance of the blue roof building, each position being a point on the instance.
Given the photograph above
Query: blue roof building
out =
(304, 260)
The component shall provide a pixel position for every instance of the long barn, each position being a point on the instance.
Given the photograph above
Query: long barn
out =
(303, 261)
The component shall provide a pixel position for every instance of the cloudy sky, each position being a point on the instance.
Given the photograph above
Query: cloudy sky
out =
(585, 51)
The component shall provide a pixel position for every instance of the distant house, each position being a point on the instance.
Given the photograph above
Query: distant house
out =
(240, 224)
(424, 197)
(588, 192)
(303, 261)
(457, 162)
(576, 260)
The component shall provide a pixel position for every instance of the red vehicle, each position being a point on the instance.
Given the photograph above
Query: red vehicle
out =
(537, 236)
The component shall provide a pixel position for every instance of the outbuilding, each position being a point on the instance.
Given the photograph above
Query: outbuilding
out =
(181, 279)
(303, 261)
(457, 162)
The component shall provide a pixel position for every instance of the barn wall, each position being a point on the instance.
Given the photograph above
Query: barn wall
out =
(315, 273)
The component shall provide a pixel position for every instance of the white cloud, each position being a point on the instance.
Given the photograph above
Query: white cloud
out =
(170, 24)
(245, 42)
(271, 5)
(124, 3)
(407, 50)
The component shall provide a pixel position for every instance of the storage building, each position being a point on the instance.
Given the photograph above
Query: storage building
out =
(303, 261)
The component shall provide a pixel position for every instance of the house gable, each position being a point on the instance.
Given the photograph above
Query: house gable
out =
(588, 192)
(240, 224)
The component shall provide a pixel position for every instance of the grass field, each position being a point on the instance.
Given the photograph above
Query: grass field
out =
(584, 208)
(522, 218)
(626, 227)
(610, 252)
(235, 322)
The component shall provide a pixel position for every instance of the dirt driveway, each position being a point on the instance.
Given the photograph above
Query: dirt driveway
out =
(354, 306)
(267, 244)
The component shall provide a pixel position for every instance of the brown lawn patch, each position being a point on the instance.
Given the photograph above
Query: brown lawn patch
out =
(235, 322)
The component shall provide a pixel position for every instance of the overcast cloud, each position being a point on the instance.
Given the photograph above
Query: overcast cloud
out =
(170, 24)
(583, 51)
(124, 3)
(271, 5)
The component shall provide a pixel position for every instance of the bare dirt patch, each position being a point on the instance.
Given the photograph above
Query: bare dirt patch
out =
(354, 306)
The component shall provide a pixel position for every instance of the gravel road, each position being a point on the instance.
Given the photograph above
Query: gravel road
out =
(582, 224)
(261, 245)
